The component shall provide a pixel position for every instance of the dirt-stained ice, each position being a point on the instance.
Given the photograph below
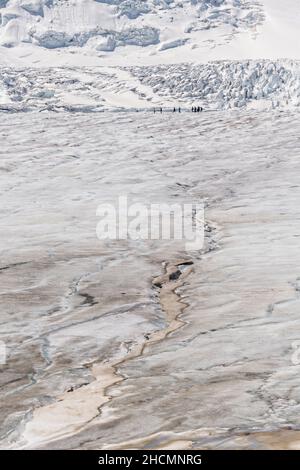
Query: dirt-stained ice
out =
(103, 351)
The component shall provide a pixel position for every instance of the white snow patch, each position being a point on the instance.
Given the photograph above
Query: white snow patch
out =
(170, 44)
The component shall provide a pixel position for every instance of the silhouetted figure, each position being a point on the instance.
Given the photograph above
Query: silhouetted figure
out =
(160, 110)
(198, 109)
(154, 110)
(174, 110)
(179, 110)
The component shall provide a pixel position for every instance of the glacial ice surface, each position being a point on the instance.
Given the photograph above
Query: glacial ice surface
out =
(71, 303)
(216, 85)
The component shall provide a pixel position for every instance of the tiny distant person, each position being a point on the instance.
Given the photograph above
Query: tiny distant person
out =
(174, 110)
(179, 109)
(160, 110)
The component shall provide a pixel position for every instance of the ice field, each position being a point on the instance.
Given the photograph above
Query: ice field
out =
(105, 348)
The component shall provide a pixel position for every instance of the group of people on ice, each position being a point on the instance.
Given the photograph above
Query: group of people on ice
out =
(195, 109)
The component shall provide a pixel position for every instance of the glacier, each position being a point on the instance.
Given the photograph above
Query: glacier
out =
(222, 54)
(140, 344)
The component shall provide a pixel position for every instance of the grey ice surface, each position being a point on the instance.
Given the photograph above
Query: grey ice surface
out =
(70, 301)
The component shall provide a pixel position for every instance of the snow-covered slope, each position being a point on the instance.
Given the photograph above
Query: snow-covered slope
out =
(149, 52)
(216, 85)
(146, 31)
